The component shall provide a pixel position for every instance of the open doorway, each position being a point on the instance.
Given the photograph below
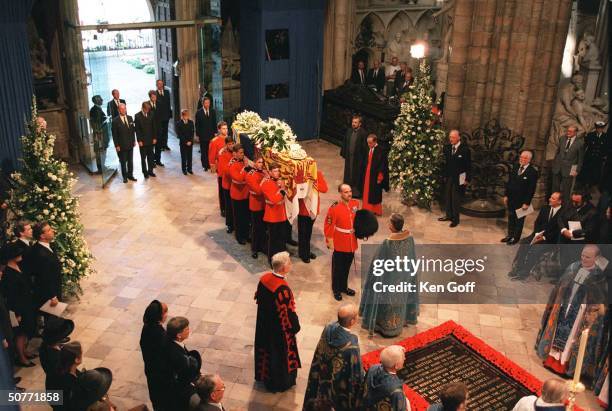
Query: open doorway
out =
(122, 60)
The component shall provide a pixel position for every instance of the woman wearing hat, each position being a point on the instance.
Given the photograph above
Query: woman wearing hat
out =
(152, 340)
(17, 289)
(92, 387)
(56, 331)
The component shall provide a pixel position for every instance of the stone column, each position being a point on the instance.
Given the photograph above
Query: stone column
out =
(188, 55)
(341, 30)
(457, 63)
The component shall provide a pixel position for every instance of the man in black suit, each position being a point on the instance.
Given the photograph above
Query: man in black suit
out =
(376, 76)
(184, 131)
(183, 365)
(210, 389)
(545, 235)
(123, 137)
(359, 74)
(581, 212)
(403, 86)
(157, 148)
(163, 112)
(45, 266)
(520, 189)
(205, 128)
(456, 171)
(112, 108)
(146, 135)
(354, 151)
(400, 77)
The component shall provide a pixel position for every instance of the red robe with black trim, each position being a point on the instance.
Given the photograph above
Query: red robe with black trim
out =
(276, 354)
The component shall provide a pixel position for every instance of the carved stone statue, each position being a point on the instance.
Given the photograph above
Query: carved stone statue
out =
(447, 11)
(571, 110)
(587, 53)
(396, 48)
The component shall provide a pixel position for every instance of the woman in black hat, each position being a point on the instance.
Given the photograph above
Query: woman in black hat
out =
(18, 292)
(56, 331)
(65, 379)
(91, 387)
(152, 341)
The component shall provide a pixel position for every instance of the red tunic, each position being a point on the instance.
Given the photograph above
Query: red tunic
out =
(275, 202)
(375, 208)
(321, 186)
(223, 168)
(339, 225)
(239, 189)
(214, 146)
(256, 199)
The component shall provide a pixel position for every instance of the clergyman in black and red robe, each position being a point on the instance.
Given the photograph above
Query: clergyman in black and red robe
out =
(276, 354)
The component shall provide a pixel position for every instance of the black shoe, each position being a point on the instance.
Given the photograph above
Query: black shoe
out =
(506, 239)
(292, 242)
(146, 176)
(65, 340)
(306, 260)
(349, 292)
(338, 296)
(124, 180)
(190, 172)
(453, 224)
(16, 380)
(241, 242)
(152, 174)
(184, 172)
(512, 274)
(159, 163)
(444, 219)
(518, 278)
(254, 255)
(229, 230)
(154, 165)
(512, 241)
(312, 256)
(131, 178)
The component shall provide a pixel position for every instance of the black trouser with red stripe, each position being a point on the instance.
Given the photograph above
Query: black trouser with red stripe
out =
(341, 265)
(276, 238)
(241, 219)
(221, 198)
(229, 214)
(259, 241)
(305, 224)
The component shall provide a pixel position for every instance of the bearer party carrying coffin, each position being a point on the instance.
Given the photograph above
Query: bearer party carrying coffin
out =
(276, 143)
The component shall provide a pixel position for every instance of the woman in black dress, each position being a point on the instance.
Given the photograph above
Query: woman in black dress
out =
(65, 379)
(152, 340)
(17, 289)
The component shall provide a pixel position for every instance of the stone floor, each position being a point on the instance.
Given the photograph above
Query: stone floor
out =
(158, 239)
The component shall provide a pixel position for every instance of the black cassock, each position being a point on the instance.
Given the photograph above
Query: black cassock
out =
(276, 355)
(379, 165)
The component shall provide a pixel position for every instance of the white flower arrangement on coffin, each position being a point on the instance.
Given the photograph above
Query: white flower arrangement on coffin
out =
(248, 122)
(274, 134)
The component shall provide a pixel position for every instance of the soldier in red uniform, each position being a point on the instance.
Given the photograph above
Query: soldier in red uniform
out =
(216, 144)
(340, 237)
(305, 221)
(224, 157)
(253, 179)
(275, 215)
(239, 194)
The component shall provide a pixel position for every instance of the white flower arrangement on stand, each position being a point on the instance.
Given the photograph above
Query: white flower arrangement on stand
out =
(43, 192)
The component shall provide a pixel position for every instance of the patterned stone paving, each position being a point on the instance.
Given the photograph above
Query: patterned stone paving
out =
(163, 238)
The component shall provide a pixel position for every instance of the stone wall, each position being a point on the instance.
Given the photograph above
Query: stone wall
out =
(505, 64)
